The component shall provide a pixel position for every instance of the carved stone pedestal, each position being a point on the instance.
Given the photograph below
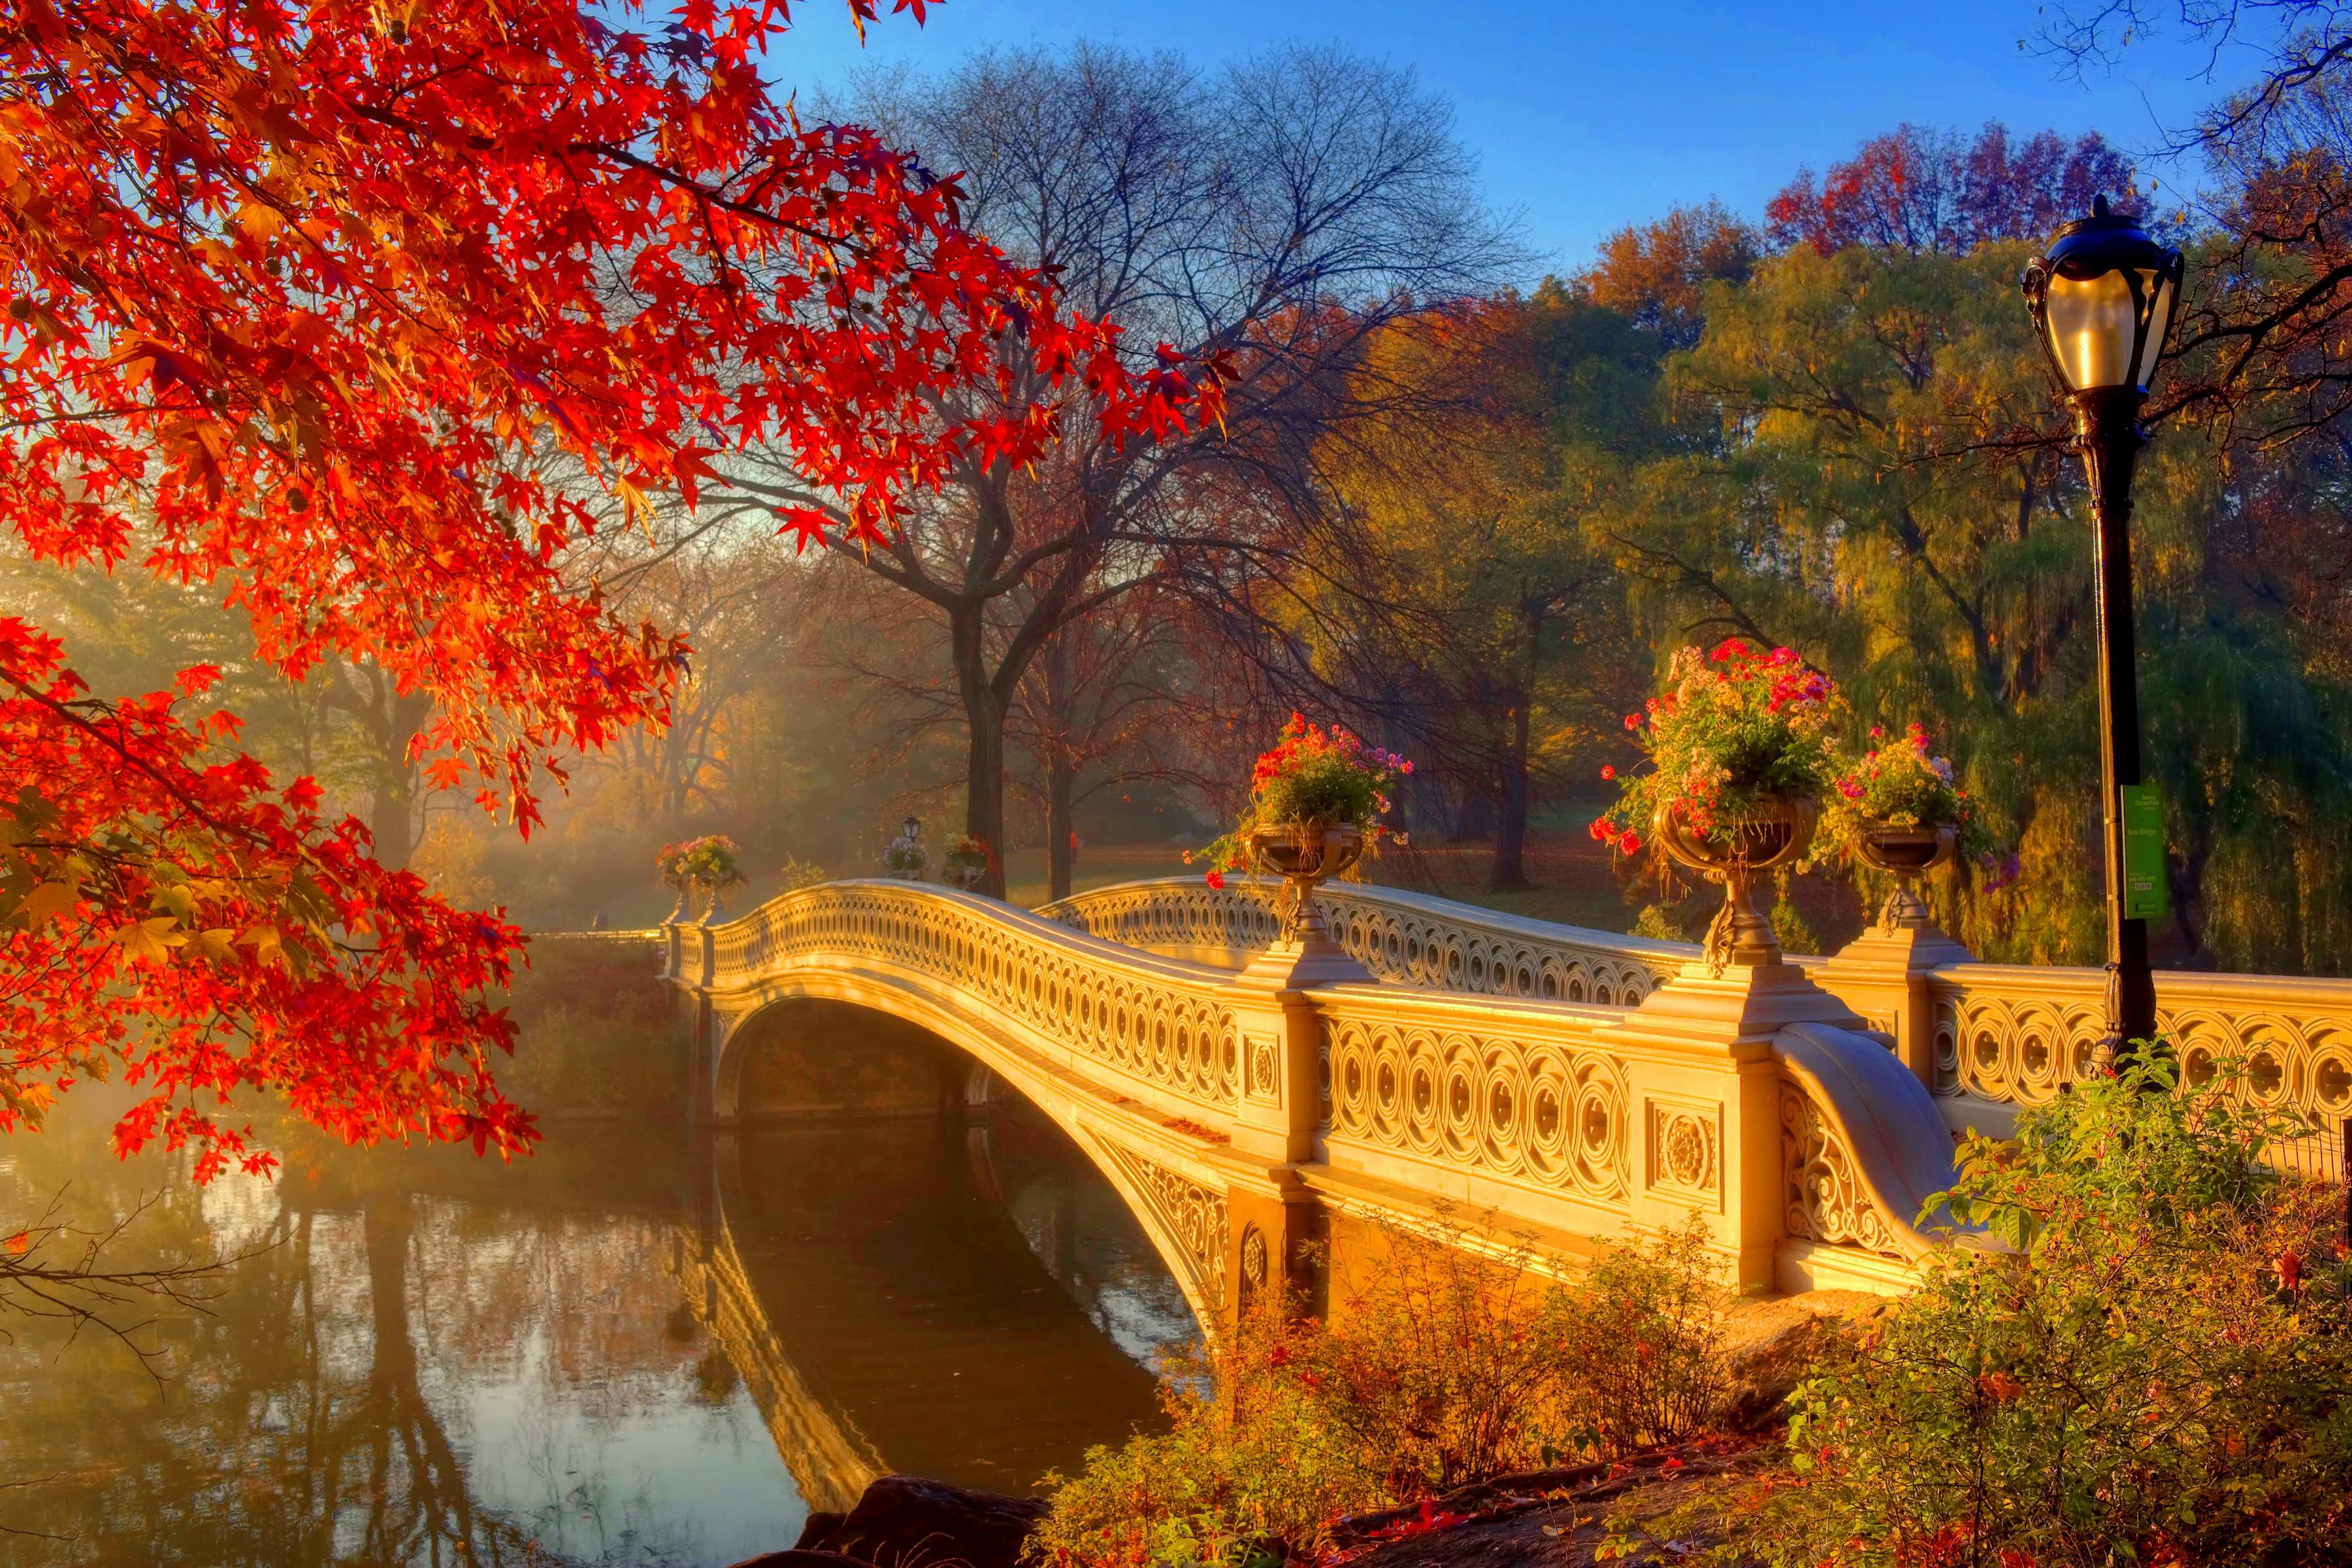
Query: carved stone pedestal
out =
(1705, 1101)
(1885, 973)
(1278, 1041)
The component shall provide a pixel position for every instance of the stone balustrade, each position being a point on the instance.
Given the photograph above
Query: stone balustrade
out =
(2015, 1035)
(1578, 1085)
(1155, 1023)
(1986, 1038)
(1409, 938)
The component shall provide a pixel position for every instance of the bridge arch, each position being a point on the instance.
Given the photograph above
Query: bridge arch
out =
(1164, 1174)
(1240, 1101)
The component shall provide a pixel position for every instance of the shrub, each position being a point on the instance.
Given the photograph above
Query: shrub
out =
(596, 1031)
(1251, 1469)
(1646, 1341)
(1788, 923)
(1658, 920)
(1452, 1362)
(2160, 1371)
(797, 873)
(1456, 1360)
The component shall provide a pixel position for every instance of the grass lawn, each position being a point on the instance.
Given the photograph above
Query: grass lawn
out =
(1097, 867)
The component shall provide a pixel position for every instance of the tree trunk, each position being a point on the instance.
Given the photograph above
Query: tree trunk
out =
(1509, 872)
(983, 711)
(390, 821)
(1061, 852)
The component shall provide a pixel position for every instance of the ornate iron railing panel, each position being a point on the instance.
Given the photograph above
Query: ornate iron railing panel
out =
(2020, 1033)
(1156, 1018)
(1523, 1096)
(1408, 938)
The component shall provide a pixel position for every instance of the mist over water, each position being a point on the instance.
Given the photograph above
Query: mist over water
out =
(639, 1347)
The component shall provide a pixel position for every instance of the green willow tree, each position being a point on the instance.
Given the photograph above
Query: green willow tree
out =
(1869, 474)
(1512, 649)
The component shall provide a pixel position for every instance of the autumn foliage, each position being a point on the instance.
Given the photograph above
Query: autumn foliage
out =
(362, 314)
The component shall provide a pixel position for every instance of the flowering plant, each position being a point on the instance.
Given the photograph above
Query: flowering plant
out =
(1312, 778)
(966, 853)
(905, 858)
(1738, 730)
(709, 861)
(1902, 784)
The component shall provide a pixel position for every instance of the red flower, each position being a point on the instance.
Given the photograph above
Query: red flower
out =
(1608, 771)
(1216, 878)
(1632, 721)
(1601, 831)
(1629, 843)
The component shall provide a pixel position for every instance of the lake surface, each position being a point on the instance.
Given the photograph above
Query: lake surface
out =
(638, 1347)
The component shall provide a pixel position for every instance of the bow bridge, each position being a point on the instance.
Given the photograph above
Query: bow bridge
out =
(1249, 1095)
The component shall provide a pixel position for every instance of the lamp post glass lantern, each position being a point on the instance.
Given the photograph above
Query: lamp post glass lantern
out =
(2102, 302)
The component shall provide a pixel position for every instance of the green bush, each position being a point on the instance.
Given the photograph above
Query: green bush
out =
(1456, 1360)
(1658, 922)
(1249, 1468)
(1645, 1344)
(2161, 1371)
(596, 1031)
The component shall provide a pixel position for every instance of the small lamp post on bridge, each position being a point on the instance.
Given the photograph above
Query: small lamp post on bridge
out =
(2102, 301)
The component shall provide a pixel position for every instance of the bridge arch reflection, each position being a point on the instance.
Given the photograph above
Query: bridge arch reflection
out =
(944, 1283)
(834, 1042)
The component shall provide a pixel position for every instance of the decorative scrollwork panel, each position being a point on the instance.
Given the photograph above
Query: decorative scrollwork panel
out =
(1402, 937)
(1191, 1215)
(2021, 1036)
(1826, 1199)
(1535, 1109)
(1124, 1010)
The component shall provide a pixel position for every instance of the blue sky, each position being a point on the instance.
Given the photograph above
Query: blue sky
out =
(1588, 117)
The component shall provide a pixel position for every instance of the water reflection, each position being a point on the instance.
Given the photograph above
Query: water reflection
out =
(439, 1361)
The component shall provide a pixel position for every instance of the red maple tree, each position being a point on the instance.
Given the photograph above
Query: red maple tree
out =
(319, 302)
(1920, 189)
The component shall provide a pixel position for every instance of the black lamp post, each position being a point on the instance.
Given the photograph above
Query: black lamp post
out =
(2102, 301)
(912, 827)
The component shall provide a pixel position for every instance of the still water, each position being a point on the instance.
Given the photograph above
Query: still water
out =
(635, 1348)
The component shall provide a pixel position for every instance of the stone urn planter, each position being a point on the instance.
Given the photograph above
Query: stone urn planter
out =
(965, 877)
(678, 914)
(1304, 854)
(1772, 838)
(1906, 853)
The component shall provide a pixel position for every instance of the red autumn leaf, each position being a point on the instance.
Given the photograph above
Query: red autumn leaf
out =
(311, 292)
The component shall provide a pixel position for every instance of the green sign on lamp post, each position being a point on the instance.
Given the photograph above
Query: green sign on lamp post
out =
(2144, 876)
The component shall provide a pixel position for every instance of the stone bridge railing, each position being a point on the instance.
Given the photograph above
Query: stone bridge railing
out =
(1409, 938)
(1986, 1038)
(1154, 1025)
(1539, 1072)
